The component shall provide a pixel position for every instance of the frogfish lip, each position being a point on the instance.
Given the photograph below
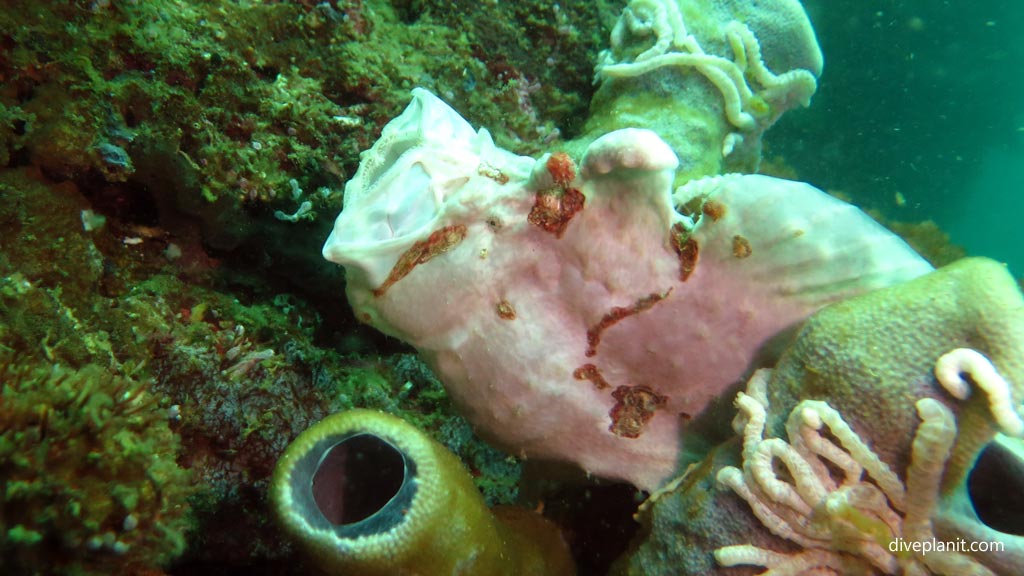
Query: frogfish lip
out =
(371, 233)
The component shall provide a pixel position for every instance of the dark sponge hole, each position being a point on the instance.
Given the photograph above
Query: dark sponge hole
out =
(356, 478)
(996, 488)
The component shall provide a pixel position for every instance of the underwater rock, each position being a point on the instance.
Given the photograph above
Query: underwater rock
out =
(854, 453)
(709, 76)
(367, 493)
(584, 318)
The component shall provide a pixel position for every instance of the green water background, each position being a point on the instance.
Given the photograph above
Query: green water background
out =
(922, 99)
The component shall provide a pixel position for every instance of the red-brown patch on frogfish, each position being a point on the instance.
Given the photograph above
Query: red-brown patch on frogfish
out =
(593, 374)
(634, 408)
(686, 249)
(712, 209)
(555, 207)
(505, 310)
(488, 171)
(618, 313)
(439, 242)
(741, 247)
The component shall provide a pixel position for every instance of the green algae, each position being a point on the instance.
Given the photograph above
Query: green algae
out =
(88, 478)
(234, 100)
(242, 366)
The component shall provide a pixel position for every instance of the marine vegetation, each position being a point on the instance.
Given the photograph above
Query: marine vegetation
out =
(552, 282)
(89, 483)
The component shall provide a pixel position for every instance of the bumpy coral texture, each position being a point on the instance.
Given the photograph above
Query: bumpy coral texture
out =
(861, 443)
(88, 480)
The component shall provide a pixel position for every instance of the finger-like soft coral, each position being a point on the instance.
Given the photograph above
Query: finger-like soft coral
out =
(366, 493)
(870, 447)
(860, 519)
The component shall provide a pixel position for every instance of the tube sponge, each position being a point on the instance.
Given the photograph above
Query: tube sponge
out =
(367, 493)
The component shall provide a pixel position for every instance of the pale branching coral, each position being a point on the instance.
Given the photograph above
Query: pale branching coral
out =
(828, 491)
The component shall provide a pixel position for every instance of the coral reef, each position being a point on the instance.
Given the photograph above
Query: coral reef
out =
(367, 493)
(210, 110)
(169, 169)
(88, 479)
(235, 362)
(855, 453)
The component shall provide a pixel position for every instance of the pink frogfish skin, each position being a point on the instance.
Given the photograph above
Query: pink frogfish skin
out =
(586, 316)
